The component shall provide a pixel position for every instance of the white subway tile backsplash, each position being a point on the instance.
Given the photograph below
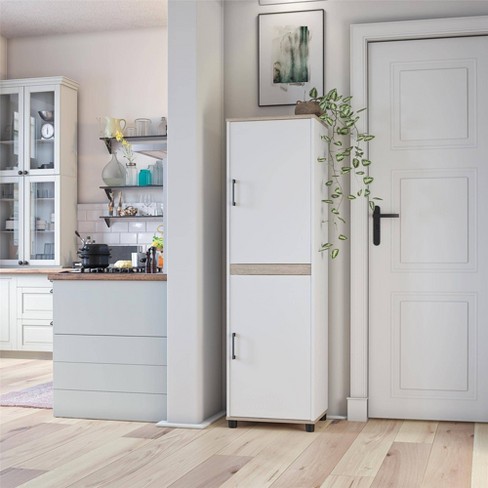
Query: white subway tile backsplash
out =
(137, 227)
(101, 226)
(144, 238)
(128, 238)
(111, 238)
(124, 233)
(119, 227)
(152, 226)
(92, 215)
(86, 226)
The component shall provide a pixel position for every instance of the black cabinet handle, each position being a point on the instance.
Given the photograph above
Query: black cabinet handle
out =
(377, 216)
(26, 173)
(20, 263)
(233, 345)
(19, 172)
(233, 193)
(51, 290)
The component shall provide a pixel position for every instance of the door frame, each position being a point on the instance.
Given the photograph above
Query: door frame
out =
(361, 36)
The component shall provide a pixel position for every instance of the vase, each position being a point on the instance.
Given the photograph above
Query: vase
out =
(131, 174)
(113, 174)
(302, 108)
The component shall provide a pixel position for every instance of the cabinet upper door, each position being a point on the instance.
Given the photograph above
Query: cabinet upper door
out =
(11, 130)
(269, 191)
(41, 129)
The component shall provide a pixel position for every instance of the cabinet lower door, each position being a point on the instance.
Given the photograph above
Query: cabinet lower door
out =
(269, 336)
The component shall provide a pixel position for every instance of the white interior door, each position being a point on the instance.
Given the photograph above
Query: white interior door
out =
(428, 344)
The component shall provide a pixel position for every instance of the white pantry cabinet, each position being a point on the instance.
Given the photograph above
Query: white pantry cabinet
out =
(38, 171)
(276, 276)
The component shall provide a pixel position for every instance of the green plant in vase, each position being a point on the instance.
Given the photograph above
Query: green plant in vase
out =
(130, 166)
(346, 155)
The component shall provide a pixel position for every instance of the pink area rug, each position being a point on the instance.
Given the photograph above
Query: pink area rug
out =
(39, 396)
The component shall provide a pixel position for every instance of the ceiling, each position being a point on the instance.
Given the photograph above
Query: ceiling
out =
(27, 18)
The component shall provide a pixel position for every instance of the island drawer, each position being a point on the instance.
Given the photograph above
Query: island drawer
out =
(115, 308)
(110, 349)
(103, 405)
(110, 377)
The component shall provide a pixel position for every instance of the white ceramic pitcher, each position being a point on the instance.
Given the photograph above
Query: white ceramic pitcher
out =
(112, 125)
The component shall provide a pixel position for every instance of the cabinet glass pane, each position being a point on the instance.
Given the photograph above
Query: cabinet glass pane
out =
(41, 130)
(9, 221)
(41, 224)
(9, 131)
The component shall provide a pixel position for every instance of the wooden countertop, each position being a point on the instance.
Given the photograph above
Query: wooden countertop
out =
(77, 276)
(27, 270)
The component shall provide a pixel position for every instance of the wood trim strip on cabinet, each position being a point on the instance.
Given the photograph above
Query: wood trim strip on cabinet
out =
(270, 269)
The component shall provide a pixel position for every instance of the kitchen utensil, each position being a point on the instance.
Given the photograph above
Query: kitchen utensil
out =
(94, 255)
(46, 115)
(81, 238)
(138, 259)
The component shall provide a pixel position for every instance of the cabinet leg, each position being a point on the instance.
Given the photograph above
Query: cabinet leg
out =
(309, 427)
(232, 424)
(324, 417)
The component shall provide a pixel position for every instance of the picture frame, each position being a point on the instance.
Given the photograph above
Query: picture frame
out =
(276, 2)
(291, 56)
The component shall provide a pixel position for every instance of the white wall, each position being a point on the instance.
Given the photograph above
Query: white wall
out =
(3, 58)
(241, 73)
(121, 74)
(195, 218)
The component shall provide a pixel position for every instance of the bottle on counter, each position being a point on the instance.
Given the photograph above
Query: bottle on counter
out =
(148, 261)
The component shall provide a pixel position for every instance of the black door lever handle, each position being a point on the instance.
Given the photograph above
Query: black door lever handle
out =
(377, 216)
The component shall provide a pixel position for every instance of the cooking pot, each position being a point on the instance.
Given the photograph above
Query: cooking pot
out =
(94, 255)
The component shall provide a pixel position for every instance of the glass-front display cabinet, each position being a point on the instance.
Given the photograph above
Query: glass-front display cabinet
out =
(38, 171)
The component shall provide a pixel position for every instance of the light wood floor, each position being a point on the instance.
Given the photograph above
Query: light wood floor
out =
(39, 451)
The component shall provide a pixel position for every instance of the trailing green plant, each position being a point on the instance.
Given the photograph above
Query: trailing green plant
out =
(346, 155)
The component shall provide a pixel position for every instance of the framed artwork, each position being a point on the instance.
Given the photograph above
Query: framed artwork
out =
(291, 56)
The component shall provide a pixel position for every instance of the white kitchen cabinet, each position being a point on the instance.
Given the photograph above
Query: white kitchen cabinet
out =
(38, 171)
(26, 314)
(7, 313)
(276, 276)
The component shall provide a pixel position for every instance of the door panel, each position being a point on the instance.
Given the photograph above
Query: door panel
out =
(265, 226)
(428, 331)
(270, 376)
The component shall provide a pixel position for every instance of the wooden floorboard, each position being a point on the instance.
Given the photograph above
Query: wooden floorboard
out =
(450, 461)
(38, 450)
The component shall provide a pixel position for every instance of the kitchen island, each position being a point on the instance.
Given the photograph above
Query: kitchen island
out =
(110, 345)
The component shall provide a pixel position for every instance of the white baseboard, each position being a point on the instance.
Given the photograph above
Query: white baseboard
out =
(201, 425)
(357, 409)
